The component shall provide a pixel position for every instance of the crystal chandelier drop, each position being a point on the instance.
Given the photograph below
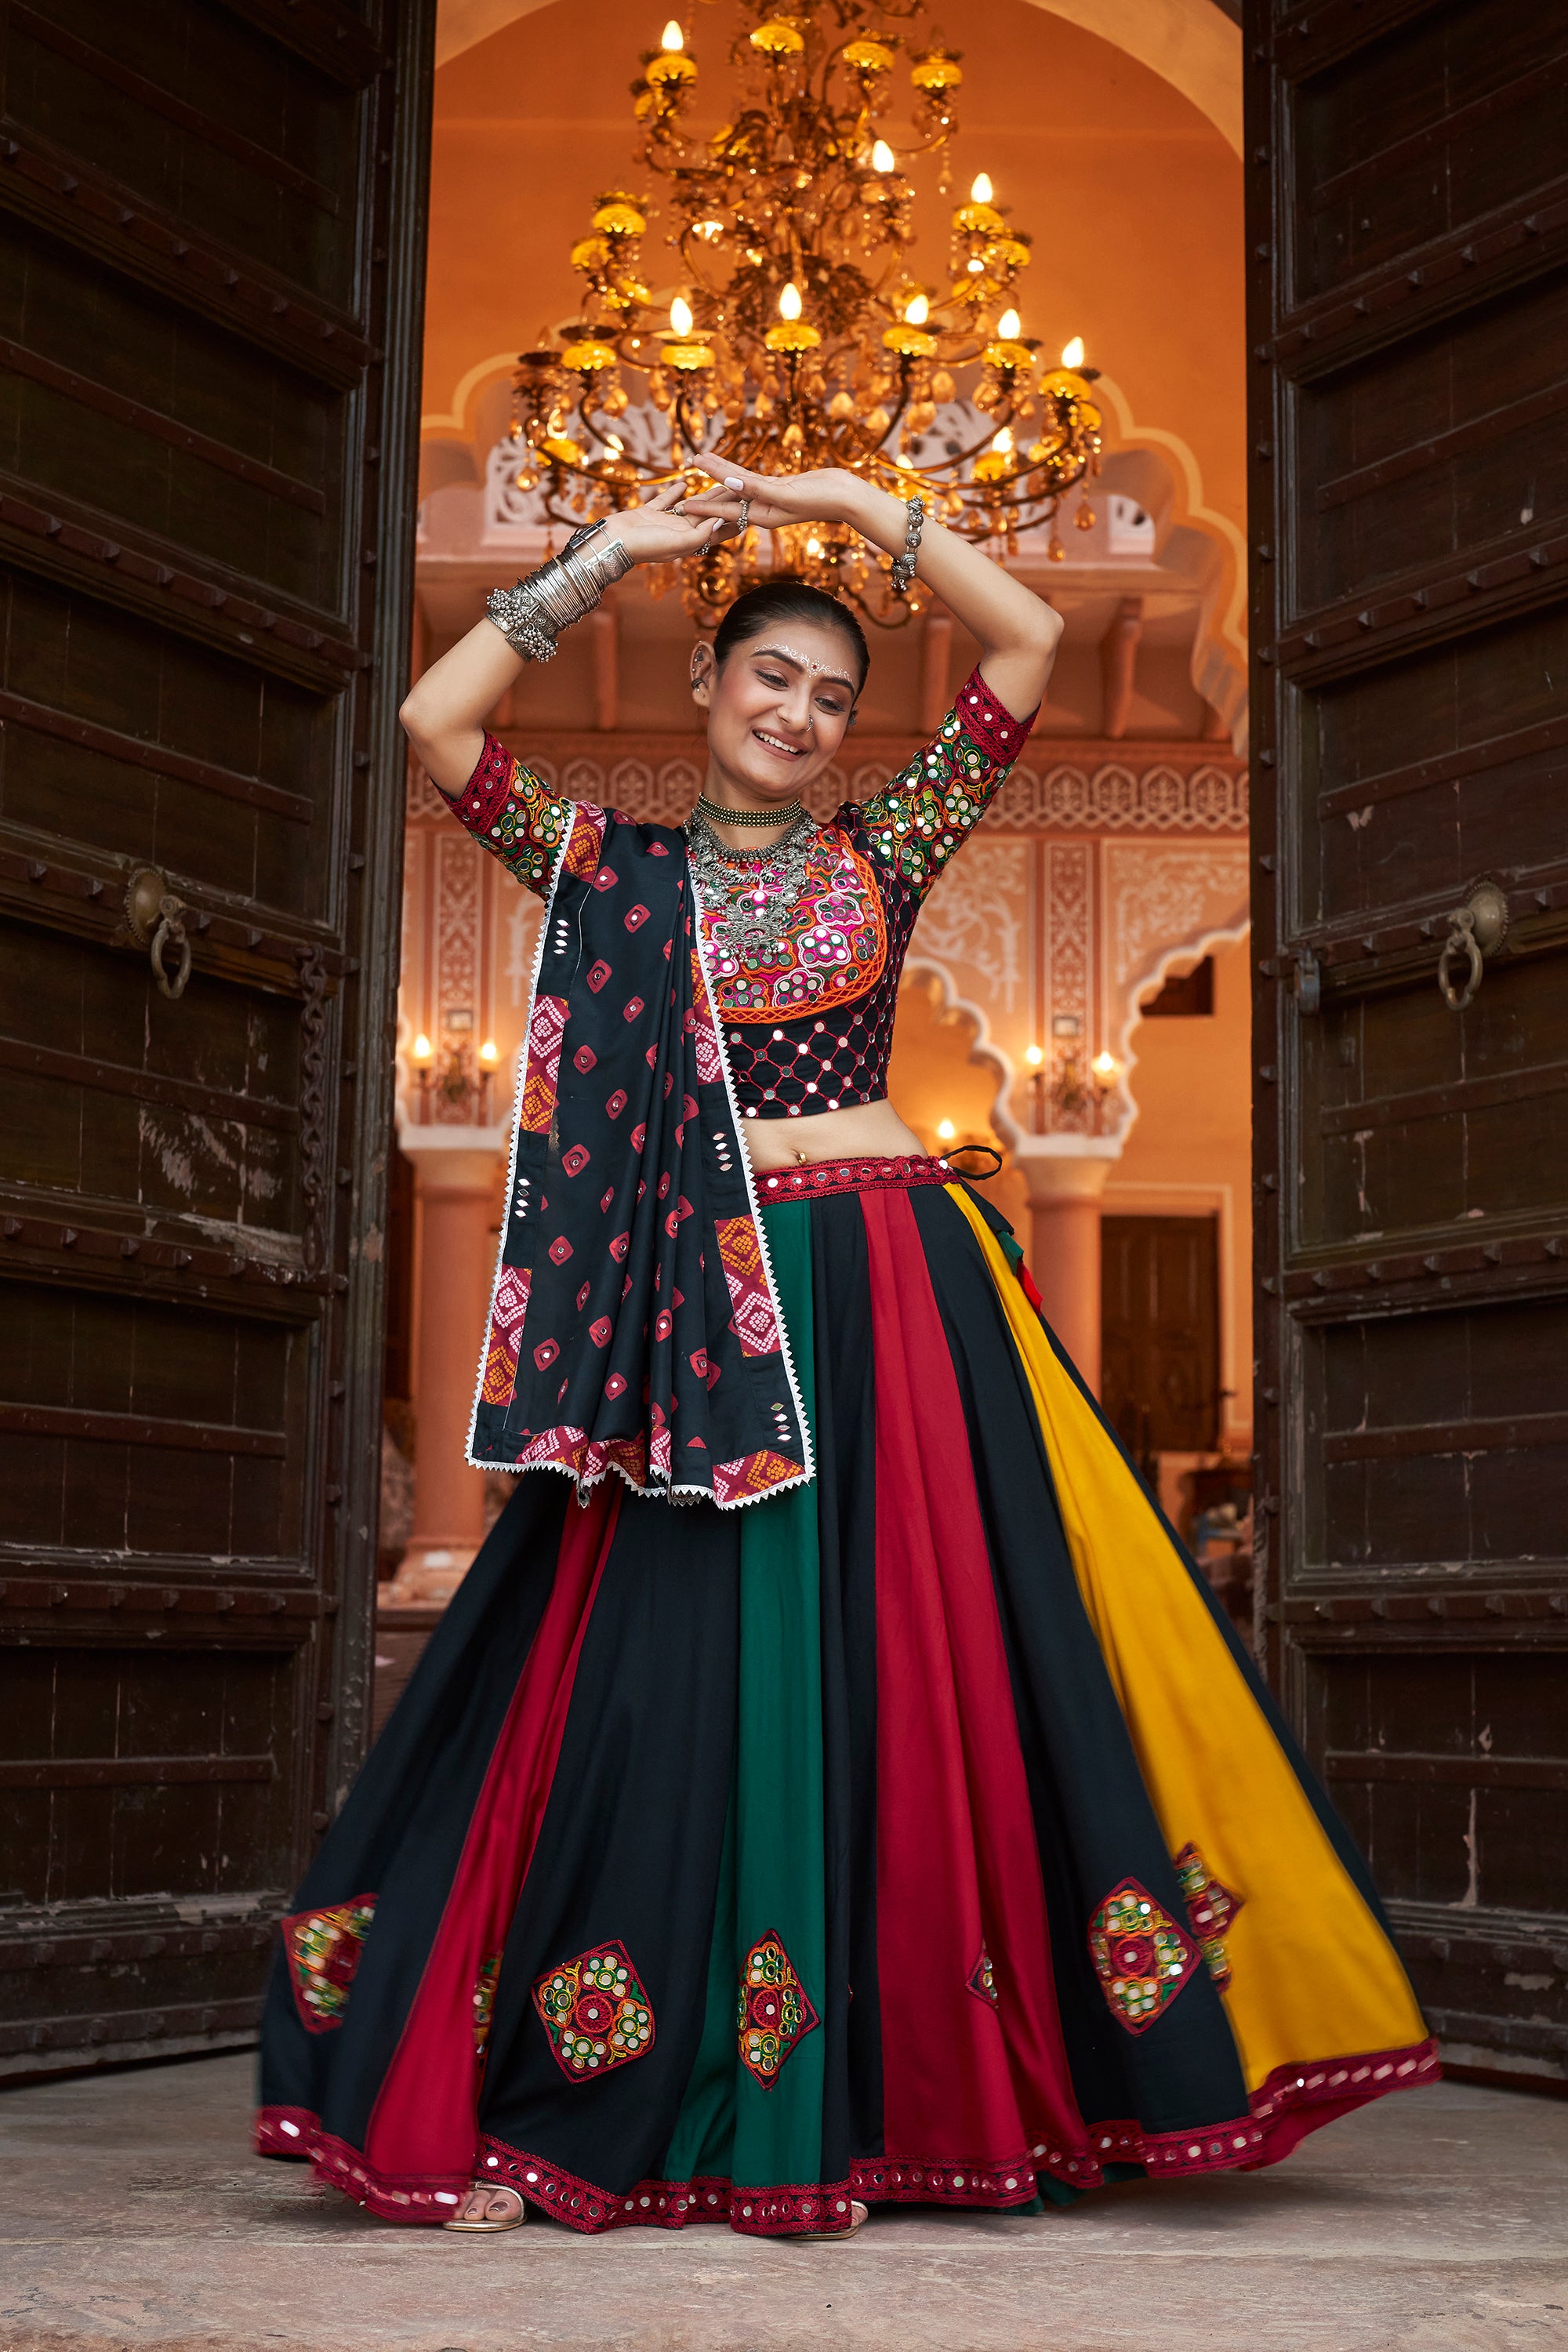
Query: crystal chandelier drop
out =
(800, 337)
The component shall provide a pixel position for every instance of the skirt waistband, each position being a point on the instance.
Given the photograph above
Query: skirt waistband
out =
(818, 1180)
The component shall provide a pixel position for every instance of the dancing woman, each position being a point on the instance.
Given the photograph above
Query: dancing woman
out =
(859, 1798)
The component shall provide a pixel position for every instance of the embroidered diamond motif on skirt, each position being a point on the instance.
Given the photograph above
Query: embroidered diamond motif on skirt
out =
(1140, 1956)
(596, 2012)
(1211, 1907)
(774, 2013)
(983, 1978)
(324, 1949)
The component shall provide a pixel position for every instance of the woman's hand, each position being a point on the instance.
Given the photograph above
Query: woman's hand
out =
(826, 496)
(665, 529)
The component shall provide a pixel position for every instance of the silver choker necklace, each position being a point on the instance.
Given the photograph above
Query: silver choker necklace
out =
(753, 892)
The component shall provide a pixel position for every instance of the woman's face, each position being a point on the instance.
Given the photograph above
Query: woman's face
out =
(779, 707)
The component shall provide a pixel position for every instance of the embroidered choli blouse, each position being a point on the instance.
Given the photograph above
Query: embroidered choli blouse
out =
(812, 1029)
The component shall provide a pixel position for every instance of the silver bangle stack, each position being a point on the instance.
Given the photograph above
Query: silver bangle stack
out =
(532, 615)
(904, 565)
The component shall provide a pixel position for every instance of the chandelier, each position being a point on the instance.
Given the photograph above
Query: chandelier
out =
(799, 337)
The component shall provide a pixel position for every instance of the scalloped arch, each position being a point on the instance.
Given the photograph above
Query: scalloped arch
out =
(1192, 43)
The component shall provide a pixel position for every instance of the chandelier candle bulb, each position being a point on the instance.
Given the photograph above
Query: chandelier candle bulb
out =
(777, 41)
(882, 157)
(917, 311)
(790, 306)
(1008, 326)
(672, 37)
(981, 190)
(680, 317)
(1072, 353)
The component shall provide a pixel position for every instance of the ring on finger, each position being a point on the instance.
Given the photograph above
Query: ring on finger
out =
(742, 520)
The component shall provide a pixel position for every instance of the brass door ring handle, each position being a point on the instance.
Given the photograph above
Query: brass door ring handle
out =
(1476, 931)
(155, 919)
(169, 928)
(1461, 940)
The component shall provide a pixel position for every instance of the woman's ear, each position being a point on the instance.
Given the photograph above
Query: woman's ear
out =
(703, 671)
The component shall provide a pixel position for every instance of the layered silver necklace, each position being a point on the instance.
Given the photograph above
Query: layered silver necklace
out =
(752, 893)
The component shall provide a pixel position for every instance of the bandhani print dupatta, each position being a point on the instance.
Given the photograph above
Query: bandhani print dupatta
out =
(634, 1324)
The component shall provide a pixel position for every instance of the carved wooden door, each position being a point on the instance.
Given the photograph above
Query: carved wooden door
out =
(1159, 1287)
(212, 288)
(1408, 258)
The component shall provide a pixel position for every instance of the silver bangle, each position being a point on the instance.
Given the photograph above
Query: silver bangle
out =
(904, 565)
(532, 615)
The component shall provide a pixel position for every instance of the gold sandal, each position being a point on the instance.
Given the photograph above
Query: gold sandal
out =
(487, 2225)
(858, 2214)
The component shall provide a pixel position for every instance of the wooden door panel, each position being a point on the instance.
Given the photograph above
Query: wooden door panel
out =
(155, 416)
(1431, 770)
(209, 298)
(1408, 322)
(1160, 1322)
(202, 118)
(1440, 431)
(1418, 1126)
(1454, 110)
(168, 751)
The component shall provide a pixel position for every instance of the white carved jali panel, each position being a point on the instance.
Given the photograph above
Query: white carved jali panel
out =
(974, 924)
(1066, 931)
(1161, 899)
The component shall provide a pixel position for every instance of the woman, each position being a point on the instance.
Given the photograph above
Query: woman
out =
(917, 1833)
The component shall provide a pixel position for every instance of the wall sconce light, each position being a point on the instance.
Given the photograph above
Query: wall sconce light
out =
(422, 1053)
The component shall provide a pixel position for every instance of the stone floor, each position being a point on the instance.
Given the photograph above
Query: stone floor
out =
(131, 2215)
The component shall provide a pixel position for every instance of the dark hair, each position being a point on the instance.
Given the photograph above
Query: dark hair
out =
(773, 601)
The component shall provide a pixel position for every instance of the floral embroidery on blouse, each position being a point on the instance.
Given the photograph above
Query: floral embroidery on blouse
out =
(930, 809)
(515, 816)
(832, 952)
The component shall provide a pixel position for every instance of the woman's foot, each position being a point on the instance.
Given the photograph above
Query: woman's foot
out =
(858, 2214)
(489, 2207)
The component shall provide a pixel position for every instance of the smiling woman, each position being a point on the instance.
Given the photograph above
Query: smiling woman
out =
(947, 1718)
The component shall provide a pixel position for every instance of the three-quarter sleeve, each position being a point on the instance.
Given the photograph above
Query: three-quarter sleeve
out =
(515, 816)
(929, 810)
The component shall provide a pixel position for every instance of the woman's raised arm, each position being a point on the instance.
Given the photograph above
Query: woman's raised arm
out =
(444, 714)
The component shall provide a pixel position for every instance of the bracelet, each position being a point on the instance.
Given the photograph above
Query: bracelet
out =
(904, 565)
(532, 615)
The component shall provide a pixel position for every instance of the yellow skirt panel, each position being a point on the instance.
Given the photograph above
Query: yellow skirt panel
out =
(1312, 1974)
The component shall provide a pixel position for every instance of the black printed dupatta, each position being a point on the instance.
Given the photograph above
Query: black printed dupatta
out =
(634, 1325)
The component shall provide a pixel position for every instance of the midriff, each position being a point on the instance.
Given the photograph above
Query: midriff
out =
(869, 1131)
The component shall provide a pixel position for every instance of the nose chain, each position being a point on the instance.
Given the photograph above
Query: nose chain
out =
(754, 893)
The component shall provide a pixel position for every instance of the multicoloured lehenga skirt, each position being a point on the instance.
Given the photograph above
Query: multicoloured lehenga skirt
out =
(921, 1835)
